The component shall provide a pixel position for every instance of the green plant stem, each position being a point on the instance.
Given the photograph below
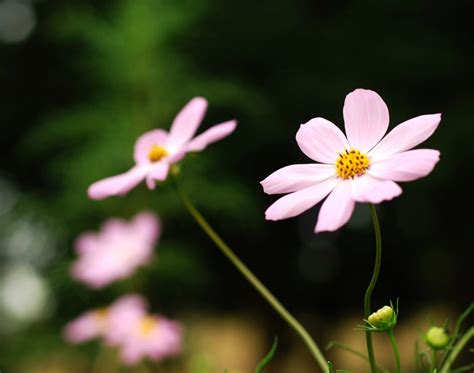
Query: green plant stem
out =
(269, 297)
(370, 288)
(456, 350)
(396, 352)
(434, 361)
(348, 348)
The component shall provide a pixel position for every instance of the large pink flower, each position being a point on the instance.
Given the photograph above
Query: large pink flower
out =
(157, 150)
(151, 336)
(111, 323)
(117, 250)
(362, 167)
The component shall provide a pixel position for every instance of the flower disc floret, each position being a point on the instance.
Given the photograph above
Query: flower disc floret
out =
(351, 163)
(157, 153)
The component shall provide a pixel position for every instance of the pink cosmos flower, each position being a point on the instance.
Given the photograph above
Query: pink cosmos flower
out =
(362, 167)
(152, 336)
(117, 250)
(111, 323)
(157, 150)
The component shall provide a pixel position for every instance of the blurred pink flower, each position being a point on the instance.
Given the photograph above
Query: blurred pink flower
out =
(157, 150)
(111, 323)
(152, 336)
(362, 167)
(117, 250)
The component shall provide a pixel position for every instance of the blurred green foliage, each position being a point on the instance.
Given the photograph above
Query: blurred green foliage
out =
(95, 76)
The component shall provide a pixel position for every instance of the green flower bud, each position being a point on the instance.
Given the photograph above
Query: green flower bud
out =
(384, 319)
(437, 338)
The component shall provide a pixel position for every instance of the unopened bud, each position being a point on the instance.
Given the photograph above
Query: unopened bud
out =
(437, 338)
(384, 319)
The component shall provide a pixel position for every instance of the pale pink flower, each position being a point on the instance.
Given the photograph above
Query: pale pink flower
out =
(157, 150)
(153, 337)
(110, 323)
(117, 250)
(362, 167)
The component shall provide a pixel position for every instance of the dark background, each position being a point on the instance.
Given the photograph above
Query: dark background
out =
(92, 77)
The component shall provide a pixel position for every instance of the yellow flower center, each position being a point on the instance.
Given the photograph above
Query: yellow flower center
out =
(101, 317)
(147, 325)
(351, 163)
(157, 153)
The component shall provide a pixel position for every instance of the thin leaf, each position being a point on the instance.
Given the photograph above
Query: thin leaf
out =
(457, 329)
(465, 368)
(348, 348)
(266, 360)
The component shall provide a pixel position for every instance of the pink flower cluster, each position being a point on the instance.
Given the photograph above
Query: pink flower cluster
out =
(126, 324)
(117, 250)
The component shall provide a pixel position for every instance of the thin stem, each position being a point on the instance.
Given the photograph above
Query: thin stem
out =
(457, 349)
(434, 361)
(348, 348)
(270, 298)
(370, 289)
(396, 352)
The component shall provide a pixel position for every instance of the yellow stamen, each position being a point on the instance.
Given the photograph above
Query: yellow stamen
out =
(147, 325)
(157, 153)
(102, 317)
(351, 163)
(102, 313)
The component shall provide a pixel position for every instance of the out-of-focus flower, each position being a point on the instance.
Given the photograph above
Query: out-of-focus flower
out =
(117, 250)
(437, 338)
(152, 336)
(362, 167)
(112, 323)
(157, 150)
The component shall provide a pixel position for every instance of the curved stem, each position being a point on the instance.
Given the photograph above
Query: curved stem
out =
(457, 349)
(396, 352)
(370, 289)
(269, 297)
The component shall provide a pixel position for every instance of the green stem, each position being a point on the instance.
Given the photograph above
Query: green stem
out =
(370, 289)
(396, 352)
(434, 361)
(456, 350)
(270, 298)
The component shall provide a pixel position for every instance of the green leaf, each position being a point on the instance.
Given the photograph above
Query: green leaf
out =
(266, 360)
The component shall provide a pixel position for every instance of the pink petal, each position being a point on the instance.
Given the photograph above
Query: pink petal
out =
(158, 171)
(336, 209)
(213, 134)
(186, 122)
(117, 185)
(321, 140)
(296, 177)
(147, 226)
(86, 243)
(367, 188)
(145, 142)
(84, 328)
(406, 166)
(366, 119)
(296, 203)
(406, 136)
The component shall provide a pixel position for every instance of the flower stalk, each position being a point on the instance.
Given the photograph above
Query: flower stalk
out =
(370, 288)
(396, 352)
(256, 283)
